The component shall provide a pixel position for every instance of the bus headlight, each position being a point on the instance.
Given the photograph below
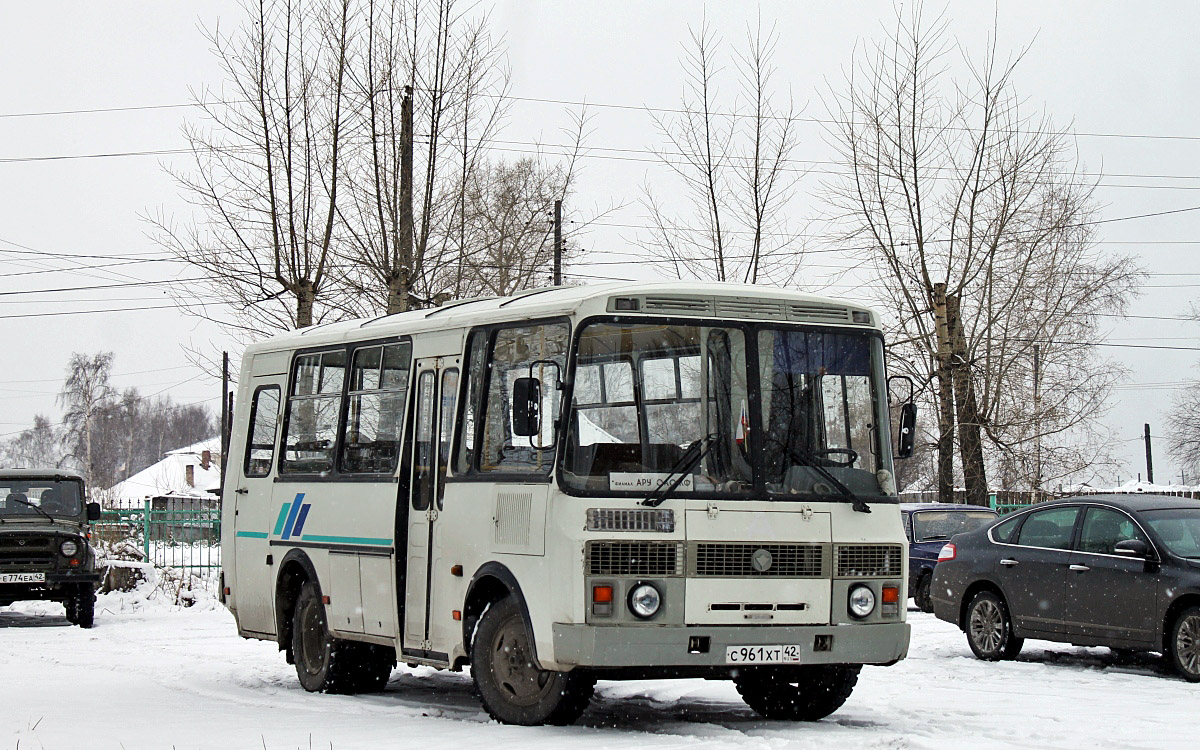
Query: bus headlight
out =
(69, 547)
(644, 601)
(862, 601)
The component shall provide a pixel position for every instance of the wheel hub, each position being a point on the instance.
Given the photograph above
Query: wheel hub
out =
(513, 665)
(987, 626)
(1187, 644)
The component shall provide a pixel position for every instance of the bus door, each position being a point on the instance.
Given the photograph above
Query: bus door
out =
(253, 473)
(436, 391)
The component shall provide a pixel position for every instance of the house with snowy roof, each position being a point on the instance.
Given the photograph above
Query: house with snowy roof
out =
(187, 478)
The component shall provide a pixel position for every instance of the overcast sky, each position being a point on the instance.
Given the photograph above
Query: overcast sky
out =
(1119, 73)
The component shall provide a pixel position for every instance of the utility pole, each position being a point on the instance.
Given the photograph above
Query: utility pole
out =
(402, 297)
(558, 243)
(1149, 458)
(226, 416)
(1037, 418)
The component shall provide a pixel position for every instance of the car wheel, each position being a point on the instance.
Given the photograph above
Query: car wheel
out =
(1183, 649)
(84, 607)
(808, 693)
(511, 686)
(324, 664)
(923, 596)
(989, 628)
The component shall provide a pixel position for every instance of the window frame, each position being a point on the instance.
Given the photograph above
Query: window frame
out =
(472, 472)
(1152, 550)
(335, 474)
(347, 394)
(271, 465)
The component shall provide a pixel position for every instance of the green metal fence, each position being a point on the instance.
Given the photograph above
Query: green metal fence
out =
(185, 539)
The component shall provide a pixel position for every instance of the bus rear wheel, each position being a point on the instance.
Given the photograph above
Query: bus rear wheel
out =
(807, 693)
(510, 684)
(324, 664)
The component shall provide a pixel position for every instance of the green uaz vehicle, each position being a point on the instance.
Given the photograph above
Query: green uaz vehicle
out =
(44, 551)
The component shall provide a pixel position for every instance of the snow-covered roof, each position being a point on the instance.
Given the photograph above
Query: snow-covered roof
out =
(169, 476)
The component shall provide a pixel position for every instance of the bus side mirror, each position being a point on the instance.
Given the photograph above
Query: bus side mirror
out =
(93, 511)
(526, 400)
(908, 430)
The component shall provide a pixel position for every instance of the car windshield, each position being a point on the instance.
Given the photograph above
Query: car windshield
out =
(644, 393)
(1179, 529)
(934, 525)
(36, 498)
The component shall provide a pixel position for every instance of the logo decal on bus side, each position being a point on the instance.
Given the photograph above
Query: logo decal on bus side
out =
(291, 517)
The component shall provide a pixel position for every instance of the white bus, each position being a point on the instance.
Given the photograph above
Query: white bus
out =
(607, 482)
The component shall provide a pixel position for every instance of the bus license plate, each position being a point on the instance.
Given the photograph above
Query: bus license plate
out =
(785, 654)
(22, 577)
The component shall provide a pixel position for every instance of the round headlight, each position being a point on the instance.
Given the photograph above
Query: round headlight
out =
(69, 547)
(862, 601)
(644, 601)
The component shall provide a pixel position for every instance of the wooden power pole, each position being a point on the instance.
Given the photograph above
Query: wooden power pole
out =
(558, 243)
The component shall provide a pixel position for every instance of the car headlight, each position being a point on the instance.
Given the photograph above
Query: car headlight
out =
(862, 601)
(69, 547)
(645, 601)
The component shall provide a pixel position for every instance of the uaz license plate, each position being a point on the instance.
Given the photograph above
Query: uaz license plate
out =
(784, 654)
(22, 577)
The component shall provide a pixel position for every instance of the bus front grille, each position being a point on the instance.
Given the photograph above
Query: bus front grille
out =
(634, 558)
(751, 560)
(868, 560)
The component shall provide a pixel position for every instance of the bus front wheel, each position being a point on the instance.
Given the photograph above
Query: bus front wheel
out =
(510, 684)
(808, 693)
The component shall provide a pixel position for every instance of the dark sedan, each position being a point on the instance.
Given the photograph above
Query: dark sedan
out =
(1121, 571)
(928, 527)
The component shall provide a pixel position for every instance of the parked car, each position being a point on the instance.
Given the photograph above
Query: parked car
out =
(44, 552)
(928, 527)
(1120, 571)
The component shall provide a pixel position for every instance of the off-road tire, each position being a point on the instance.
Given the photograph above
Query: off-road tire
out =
(989, 628)
(1183, 644)
(81, 610)
(69, 606)
(923, 597)
(508, 680)
(324, 664)
(807, 693)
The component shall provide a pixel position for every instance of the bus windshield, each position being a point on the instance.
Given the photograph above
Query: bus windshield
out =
(644, 393)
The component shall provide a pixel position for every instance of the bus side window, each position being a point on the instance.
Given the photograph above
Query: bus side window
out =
(449, 394)
(464, 459)
(375, 409)
(264, 418)
(312, 416)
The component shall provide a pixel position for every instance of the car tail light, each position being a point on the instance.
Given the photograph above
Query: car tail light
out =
(949, 552)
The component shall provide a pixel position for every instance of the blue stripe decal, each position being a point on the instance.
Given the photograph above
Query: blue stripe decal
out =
(253, 534)
(300, 519)
(282, 517)
(347, 540)
(287, 529)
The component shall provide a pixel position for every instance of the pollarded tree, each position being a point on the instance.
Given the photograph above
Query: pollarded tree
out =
(979, 223)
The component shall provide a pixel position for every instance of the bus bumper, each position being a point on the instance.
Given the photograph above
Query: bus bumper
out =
(705, 647)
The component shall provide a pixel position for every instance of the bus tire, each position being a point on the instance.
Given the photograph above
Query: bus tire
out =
(514, 689)
(324, 664)
(373, 666)
(807, 693)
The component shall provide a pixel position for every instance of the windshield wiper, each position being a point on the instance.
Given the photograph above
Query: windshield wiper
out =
(692, 456)
(811, 462)
(935, 537)
(31, 505)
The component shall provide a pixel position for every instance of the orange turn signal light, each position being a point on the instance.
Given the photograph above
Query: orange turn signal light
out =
(457, 615)
(324, 599)
(891, 595)
(602, 594)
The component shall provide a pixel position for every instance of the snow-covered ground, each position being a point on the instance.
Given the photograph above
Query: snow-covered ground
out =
(151, 675)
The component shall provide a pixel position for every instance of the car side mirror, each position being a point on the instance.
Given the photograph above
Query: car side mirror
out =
(526, 402)
(1131, 548)
(93, 511)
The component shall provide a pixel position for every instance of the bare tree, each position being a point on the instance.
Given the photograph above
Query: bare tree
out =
(39, 447)
(733, 167)
(432, 81)
(84, 396)
(269, 165)
(1183, 422)
(979, 223)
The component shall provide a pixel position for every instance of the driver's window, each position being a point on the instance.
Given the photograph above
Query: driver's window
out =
(517, 352)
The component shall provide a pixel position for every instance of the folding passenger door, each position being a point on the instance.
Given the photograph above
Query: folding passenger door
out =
(433, 415)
